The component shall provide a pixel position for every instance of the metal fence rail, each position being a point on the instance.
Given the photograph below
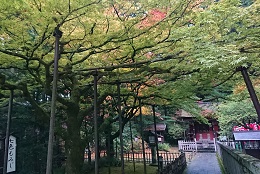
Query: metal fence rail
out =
(167, 157)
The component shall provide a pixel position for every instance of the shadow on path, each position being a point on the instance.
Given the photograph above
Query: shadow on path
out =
(203, 163)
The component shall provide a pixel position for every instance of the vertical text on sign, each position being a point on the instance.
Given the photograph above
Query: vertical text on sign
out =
(11, 163)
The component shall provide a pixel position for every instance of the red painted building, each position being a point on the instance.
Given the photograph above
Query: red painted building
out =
(198, 130)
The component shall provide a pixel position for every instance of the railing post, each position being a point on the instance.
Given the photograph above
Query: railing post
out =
(234, 145)
(196, 147)
(215, 144)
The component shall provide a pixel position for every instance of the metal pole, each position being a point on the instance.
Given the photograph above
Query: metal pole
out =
(132, 144)
(251, 90)
(96, 124)
(142, 135)
(156, 138)
(57, 33)
(120, 129)
(10, 108)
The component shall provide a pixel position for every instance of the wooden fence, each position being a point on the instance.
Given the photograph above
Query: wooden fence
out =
(204, 145)
(167, 157)
(185, 145)
(172, 163)
(175, 167)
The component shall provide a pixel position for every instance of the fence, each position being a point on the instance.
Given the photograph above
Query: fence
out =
(175, 167)
(233, 144)
(228, 143)
(189, 146)
(138, 157)
(174, 163)
(185, 145)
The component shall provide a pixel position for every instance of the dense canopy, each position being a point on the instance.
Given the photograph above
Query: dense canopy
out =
(162, 52)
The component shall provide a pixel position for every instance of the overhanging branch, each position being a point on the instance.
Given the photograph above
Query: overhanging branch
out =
(135, 64)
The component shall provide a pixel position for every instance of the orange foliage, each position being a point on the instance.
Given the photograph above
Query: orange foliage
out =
(239, 88)
(145, 111)
(152, 17)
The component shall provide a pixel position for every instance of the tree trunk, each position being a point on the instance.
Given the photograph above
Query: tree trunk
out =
(74, 145)
(110, 145)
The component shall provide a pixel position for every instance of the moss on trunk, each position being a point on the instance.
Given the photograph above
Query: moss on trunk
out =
(74, 144)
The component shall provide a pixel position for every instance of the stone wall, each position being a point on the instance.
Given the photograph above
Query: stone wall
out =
(236, 162)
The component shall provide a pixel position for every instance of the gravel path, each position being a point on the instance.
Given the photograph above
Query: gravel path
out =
(203, 163)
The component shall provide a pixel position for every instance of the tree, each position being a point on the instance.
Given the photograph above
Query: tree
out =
(227, 36)
(237, 110)
(234, 113)
(148, 46)
(116, 38)
(31, 137)
(230, 37)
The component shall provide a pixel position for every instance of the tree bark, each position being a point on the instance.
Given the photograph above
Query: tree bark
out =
(110, 145)
(74, 145)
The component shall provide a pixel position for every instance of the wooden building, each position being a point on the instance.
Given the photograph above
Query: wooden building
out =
(160, 129)
(198, 130)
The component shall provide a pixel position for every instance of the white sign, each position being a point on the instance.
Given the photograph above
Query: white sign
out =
(11, 154)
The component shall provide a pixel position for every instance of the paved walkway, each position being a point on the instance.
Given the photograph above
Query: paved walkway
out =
(203, 163)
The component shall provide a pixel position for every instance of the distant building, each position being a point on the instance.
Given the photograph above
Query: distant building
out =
(198, 130)
(160, 129)
(249, 140)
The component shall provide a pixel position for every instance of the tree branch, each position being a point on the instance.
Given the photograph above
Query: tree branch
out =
(135, 64)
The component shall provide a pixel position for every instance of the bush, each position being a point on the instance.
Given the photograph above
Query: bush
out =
(164, 146)
(105, 162)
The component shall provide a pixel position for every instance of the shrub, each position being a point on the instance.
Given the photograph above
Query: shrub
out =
(164, 146)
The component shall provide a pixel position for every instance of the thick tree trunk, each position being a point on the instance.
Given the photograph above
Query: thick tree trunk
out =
(110, 146)
(74, 146)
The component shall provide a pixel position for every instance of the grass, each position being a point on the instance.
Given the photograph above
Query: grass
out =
(221, 165)
(129, 169)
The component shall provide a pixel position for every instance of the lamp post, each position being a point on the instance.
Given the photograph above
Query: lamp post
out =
(57, 33)
(152, 146)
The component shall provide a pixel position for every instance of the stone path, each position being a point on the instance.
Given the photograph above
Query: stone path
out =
(203, 163)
